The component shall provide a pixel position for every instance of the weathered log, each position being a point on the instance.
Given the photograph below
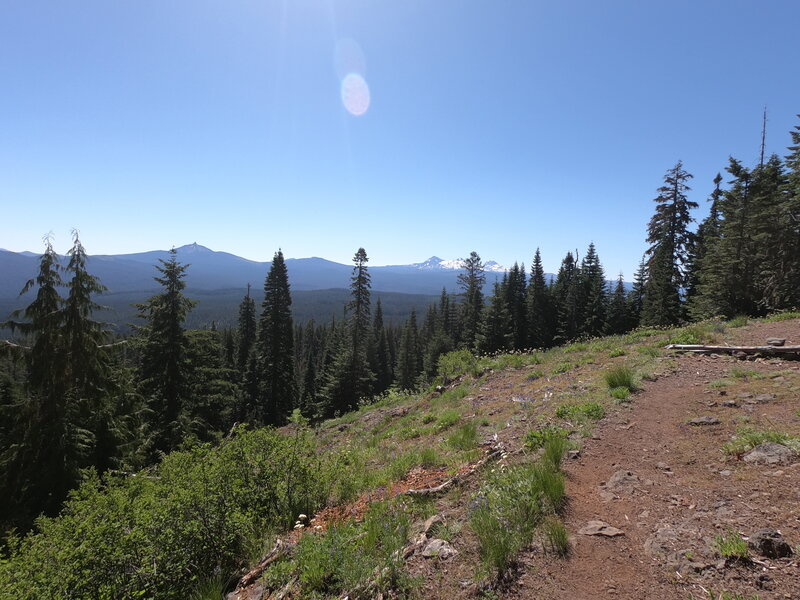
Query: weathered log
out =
(280, 549)
(701, 348)
(457, 479)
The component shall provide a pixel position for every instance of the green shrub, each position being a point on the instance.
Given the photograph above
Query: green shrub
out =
(534, 375)
(720, 383)
(428, 418)
(621, 376)
(739, 373)
(747, 438)
(649, 351)
(537, 438)
(616, 352)
(447, 419)
(784, 316)
(428, 458)
(556, 536)
(457, 363)
(156, 534)
(620, 393)
(554, 449)
(564, 367)
(464, 438)
(508, 509)
(346, 558)
(732, 546)
(592, 411)
(739, 321)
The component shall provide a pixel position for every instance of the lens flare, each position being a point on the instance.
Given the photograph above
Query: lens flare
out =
(355, 94)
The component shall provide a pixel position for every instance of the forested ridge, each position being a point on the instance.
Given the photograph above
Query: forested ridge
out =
(89, 414)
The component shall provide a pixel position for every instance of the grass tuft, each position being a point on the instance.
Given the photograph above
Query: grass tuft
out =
(732, 545)
(621, 377)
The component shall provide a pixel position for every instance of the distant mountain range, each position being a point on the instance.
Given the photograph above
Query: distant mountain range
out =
(211, 270)
(218, 280)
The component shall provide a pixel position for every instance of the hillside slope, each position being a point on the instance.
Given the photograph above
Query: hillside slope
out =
(666, 484)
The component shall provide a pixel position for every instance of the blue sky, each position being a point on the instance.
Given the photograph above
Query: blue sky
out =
(494, 126)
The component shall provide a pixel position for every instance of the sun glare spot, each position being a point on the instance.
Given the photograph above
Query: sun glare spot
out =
(355, 94)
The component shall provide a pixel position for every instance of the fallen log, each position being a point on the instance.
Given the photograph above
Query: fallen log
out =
(495, 453)
(703, 349)
(280, 550)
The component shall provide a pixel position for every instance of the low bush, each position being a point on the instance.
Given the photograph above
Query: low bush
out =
(537, 438)
(732, 545)
(585, 411)
(556, 535)
(747, 438)
(447, 419)
(457, 363)
(621, 377)
(511, 505)
(620, 393)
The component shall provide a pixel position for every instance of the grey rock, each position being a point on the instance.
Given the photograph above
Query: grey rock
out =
(432, 522)
(437, 548)
(625, 482)
(663, 466)
(764, 398)
(776, 341)
(729, 404)
(701, 421)
(769, 453)
(770, 543)
(600, 528)
(573, 454)
(726, 472)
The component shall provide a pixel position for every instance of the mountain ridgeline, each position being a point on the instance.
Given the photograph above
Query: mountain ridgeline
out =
(73, 397)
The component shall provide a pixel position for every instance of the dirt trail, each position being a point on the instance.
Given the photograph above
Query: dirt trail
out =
(682, 492)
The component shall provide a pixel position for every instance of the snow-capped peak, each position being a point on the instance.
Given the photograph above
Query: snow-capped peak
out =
(434, 262)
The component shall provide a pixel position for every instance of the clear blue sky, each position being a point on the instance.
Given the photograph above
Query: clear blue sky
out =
(495, 126)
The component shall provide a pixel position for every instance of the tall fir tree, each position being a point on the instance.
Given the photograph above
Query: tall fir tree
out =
(496, 330)
(636, 295)
(277, 387)
(409, 359)
(164, 370)
(670, 244)
(592, 282)
(540, 313)
(619, 320)
(567, 297)
(246, 332)
(383, 364)
(471, 282)
(349, 379)
(515, 290)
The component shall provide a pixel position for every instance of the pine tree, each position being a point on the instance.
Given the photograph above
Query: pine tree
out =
(593, 294)
(636, 295)
(566, 294)
(670, 243)
(383, 365)
(349, 378)
(496, 332)
(275, 347)
(515, 290)
(409, 361)
(247, 331)
(619, 320)
(88, 361)
(707, 235)
(164, 370)
(471, 282)
(540, 313)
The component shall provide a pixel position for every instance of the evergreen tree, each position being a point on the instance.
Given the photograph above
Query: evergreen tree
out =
(636, 295)
(515, 290)
(275, 347)
(471, 282)
(409, 361)
(593, 294)
(619, 320)
(540, 314)
(496, 331)
(349, 378)
(670, 243)
(566, 293)
(707, 235)
(164, 369)
(383, 365)
(247, 332)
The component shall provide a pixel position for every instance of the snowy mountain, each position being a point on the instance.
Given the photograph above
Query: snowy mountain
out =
(434, 262)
